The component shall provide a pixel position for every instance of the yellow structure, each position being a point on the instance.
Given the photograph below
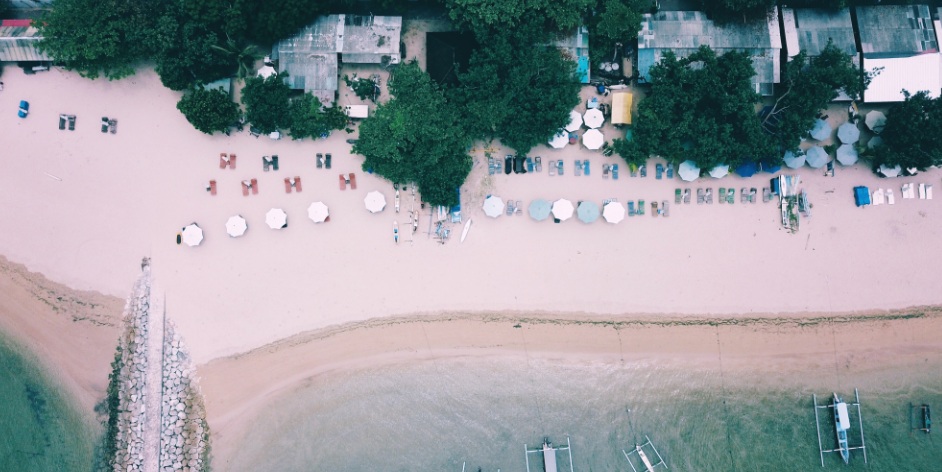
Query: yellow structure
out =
(621, 108)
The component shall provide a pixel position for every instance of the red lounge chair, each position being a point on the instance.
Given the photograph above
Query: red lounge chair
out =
(287, 185)
(255, 186)
(222, 160)
(297, 183)
(343, 182)
(245, 190)
(232, 161)
(353, 181)
(212, 187)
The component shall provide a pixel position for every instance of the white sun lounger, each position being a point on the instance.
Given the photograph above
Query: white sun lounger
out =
(876, 198)
(890, 198)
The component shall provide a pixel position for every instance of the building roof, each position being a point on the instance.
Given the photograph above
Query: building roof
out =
(18, 40)
(576, 46)
(621, 108)
(810, 29)
(895, 30)
(685, 31)
(913, 73)
(312, 56)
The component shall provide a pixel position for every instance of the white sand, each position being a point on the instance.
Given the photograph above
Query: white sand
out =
(125, 196)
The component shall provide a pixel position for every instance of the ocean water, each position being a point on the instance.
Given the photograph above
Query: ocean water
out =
(39, 429)
(439, 415)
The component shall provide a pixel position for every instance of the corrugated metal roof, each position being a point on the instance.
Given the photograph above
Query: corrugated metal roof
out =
(895, 30)
(810, 29)
(18, 42)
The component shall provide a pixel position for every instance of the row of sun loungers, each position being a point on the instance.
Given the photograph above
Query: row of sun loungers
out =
(227, 160)
(109, 125)
(726, 195)
(349, 179)
(70, 119)
(269, 163)
(321, 161)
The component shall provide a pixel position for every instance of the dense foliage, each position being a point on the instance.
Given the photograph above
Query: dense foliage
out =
(485, 16)
(807, 88)
(311, 119)
(738, 10)
(615, 24)
(516, 92)
(416, 137)
(266, 103)
(702, 108)
(912, 136)
(209, 110)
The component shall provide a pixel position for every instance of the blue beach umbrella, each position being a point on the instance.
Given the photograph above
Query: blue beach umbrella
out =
(821, 130)
(539, 209)
(747, 169)
(587, 212)
(816, 157)
(770, 166)
(848, 133)
(794, 161)
(847, 155)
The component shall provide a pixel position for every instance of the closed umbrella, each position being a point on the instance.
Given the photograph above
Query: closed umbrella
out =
(539, 209)
(593, 139)
(688, 171)
(847, 155)
(318, 212)
(747, 169)
(276, 218)
(594, 118)
(588, 212)
(493, 206)
(560, 140)
(794, 161)
(613, 212)
(821, 130)
(848, 133)
(876, 121)
(575, 121)
(719, 171)
(192, 235)
(816, 157)
(236, 226)
(890, 171)
(375, 201)
(562, 209)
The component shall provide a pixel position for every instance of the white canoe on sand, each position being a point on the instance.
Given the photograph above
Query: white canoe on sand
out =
(467, 227)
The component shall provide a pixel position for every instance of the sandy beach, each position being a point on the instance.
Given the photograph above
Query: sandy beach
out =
(82, 208)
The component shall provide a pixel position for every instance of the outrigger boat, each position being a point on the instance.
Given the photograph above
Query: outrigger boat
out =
(549, 455)
(923, 417)
(639, 450)
(841, 427)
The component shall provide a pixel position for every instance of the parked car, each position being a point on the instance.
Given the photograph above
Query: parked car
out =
(24, 109)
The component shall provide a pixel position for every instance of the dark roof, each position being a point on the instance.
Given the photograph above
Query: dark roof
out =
(895, 30)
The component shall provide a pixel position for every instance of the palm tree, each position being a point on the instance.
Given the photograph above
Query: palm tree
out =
(243, 54)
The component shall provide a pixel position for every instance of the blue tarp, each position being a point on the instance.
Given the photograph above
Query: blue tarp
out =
(861, 196)
(747, 169)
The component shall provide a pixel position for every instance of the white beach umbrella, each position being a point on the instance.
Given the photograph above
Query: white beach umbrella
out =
(375, 201)
(318, 212)
(688, 171)
(562, 209)
(236, 226)
(493, 206)
(816, 157)
(192, 235)
(613, 212)
(575, 121)
(276, 218)
(848, 133)
(847, 155)
(594, 118)
(560, 140)
(794, 161)
(875, 120)
(890, 171)
(593, 139)
(719, 171)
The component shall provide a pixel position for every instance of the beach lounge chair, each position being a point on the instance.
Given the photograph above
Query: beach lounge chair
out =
(245, 188)
(632, 170)
(343, 182)
(353, 181)
(266, 163)
(922, 191)
(585, 167)
(510, 207)
(730, 196)
(665, 210)
(890, 197)
(677, 196)
(255, 131)
(722, 194)
(297, 183)
(700, 196)
(928, 191)
(658, 171)
(490, 165)
(615, 171)
(578, 168)
(644, 170)
(113, 126)
(104, 124)
(529, 164)
(62, 120)
(631, 208)
(211, 188)
(559, 167)
(686, 195)
(654, 210)
(223, 160)
(518, 207)
(708, 196)
(319, 160)
(539, 164)
(743, 195)
(641, 207)
(752, 195)
(274, 162)
(254, 186)
(288, 185)
(71, 119)
(552, 168)
(670, 171)
(327, 160)
(605, 168)
(766, 194)
(232, 161)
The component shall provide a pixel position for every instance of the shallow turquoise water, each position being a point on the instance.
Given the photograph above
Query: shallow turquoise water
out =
(39, 429)
(437, 415)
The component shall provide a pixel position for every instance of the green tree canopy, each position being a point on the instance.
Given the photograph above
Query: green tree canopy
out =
(615, 22)
(516, 91)
(416, 137)
(912, 136)
(702, 108)
(209, 110)
(99, 38)
(738, 10)
(310, 119)
(266, 103)
(483, 17)
(270, 21)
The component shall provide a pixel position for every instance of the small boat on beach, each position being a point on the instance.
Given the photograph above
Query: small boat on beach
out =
(646, 461)
(842, 425)
(923, 417)
(467, 227)
(549, 455)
